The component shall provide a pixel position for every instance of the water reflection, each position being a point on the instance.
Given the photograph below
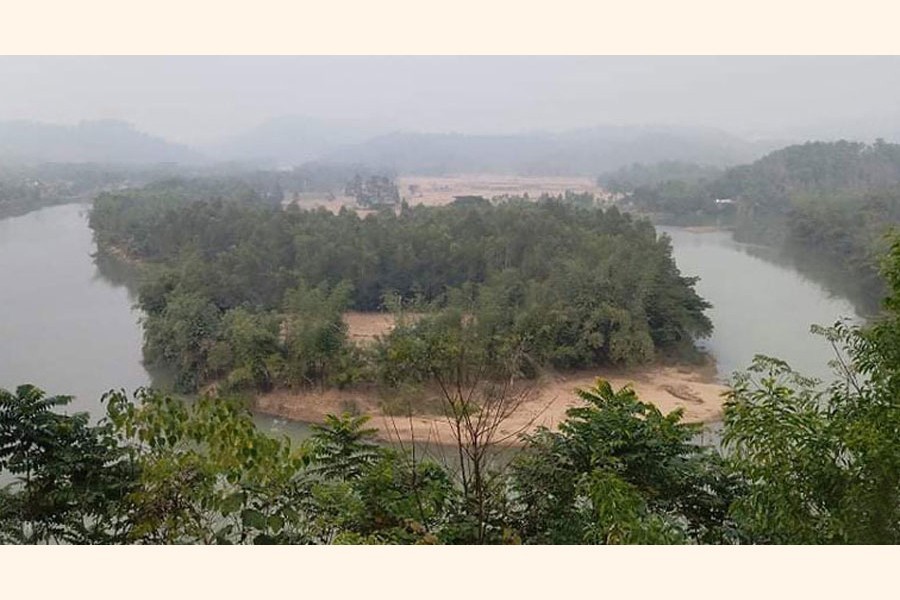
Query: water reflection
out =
(118, 273)
(760, 305)
(64, 326)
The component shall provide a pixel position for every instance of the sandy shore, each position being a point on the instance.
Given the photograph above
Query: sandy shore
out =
(692, 389)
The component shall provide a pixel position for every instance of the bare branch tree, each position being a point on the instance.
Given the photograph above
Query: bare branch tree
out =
(477, 400)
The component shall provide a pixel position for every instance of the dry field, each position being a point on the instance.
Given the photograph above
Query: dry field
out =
(436, 191)
(313, 201)
(364, 327)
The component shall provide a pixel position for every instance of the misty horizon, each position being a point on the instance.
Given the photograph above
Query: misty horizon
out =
(205, 101)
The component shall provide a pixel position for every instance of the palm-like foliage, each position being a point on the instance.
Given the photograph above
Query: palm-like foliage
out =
(618, 470)
(342, 447)
(68, 474)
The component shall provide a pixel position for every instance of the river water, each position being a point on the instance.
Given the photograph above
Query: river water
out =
(68, 324)
(759, 306)
(63, 326)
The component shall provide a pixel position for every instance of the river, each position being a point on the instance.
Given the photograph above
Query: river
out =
(759, 306)
(69, 326)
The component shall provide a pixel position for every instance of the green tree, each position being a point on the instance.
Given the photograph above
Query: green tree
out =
(207, 475)
(619, 471)
(69, 475)
(822, 465)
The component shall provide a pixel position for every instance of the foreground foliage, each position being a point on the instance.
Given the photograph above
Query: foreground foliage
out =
(823, 466)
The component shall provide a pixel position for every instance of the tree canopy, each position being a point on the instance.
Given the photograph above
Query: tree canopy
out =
(242, 292)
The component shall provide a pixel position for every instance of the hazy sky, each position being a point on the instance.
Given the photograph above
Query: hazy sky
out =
(200, 99)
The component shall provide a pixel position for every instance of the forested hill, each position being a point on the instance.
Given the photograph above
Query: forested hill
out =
(254, 295)
(106, 141)
(827, 205)
(843, 169)
(580, 152)
(24, 188)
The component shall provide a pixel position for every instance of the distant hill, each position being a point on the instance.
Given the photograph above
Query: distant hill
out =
(581, 152)
(815, 169)
(106, 141)
(291, 140)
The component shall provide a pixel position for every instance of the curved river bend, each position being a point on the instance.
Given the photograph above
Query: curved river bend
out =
(759, 306)
(69, 326)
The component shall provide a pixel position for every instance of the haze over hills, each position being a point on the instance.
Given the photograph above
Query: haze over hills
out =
(577, 152)
(105, 141)
(291, 140)
(294, 140)
(863, 128)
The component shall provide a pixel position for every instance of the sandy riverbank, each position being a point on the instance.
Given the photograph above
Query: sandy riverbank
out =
(692, 389)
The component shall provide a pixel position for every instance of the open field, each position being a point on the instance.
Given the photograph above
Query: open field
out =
(316, 200)
(364, 327)
(434, 191)
(437, 191)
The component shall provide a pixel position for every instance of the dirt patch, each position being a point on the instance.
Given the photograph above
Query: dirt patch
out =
(366, 327)
(314, 201)
(667, 387)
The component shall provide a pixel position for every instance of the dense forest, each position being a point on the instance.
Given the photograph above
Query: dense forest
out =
(24, 188)
(801, 464)
(251, 296)
(626, 180)
(827, 206)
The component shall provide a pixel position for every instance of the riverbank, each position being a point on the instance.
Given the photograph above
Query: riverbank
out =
(690, 388)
